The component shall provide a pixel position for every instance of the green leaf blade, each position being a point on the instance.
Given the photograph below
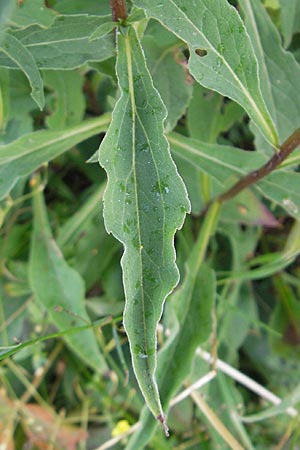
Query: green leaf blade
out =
(277, 83)
(144, 203)
(227, 63)
(24, 155)
(226, 164)
(188, 318)
(65, 44)
(23, 59)
(65, 290)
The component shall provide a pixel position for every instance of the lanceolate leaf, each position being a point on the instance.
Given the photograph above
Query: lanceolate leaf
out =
(21, 157)
(55, 284)
(144, 203)
(22, 59)
(189, 319)
(66, 44)
(226, 164)
(221, 54)
(278, 84)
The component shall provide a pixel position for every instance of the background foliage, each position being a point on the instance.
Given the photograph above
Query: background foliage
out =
(213, 86)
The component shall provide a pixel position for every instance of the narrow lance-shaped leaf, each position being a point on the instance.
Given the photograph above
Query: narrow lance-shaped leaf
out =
(221, 54)
(24, 155)
(64, 45)
(23, 59)
(278, 84)
(66, 290)
(144, 203)
(189, 320)
(224, 164)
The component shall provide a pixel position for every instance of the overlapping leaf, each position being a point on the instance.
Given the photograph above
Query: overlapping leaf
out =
(166, 65)
(225, 164)
(221, 54)
(64, 45)
(209, 115)
(144, 203)
(26, 154)
(21, 58)
(279, 71)
(56, 285)
(67, 108)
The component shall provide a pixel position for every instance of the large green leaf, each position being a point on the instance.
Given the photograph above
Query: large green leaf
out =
(64, 45)
(279, 84)
(189, 320)
(144, 203)
(21, 58)
(21, 157)
(221, 54)
(226, 164)
(56, 285)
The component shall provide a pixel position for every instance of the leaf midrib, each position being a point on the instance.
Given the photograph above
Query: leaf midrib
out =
(133, 108)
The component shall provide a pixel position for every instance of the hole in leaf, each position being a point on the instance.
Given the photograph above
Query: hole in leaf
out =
(201, 52)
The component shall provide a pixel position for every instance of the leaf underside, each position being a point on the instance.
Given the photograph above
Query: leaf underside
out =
(145, 202)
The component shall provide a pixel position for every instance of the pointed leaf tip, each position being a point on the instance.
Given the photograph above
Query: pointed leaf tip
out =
(145, 202)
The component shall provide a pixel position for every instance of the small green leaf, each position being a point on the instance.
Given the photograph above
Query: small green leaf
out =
(102, 30)
(22, 58)
(144, 203)
(221, 54)
(21, 157)
(55, 284)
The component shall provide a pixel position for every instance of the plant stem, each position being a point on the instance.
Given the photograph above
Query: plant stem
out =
(119, 11)
(284, 151)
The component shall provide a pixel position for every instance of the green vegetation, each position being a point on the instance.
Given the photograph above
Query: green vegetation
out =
(149, 286)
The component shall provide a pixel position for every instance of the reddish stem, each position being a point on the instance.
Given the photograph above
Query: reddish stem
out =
(119, 11)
